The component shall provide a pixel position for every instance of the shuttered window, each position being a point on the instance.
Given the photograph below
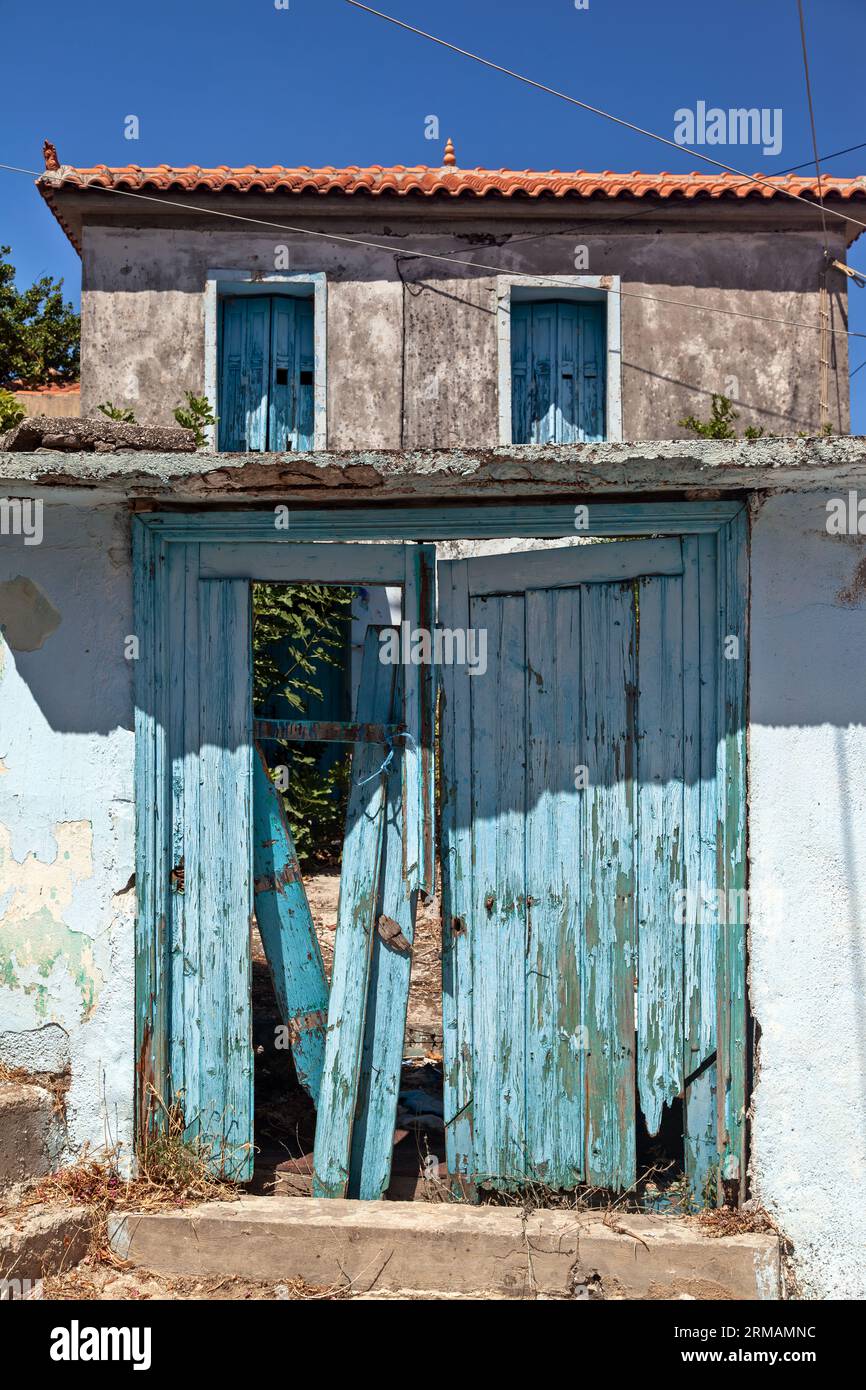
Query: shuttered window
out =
(266, 374)
(557, 372)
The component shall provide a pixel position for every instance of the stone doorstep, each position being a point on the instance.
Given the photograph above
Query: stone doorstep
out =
(413, 1245)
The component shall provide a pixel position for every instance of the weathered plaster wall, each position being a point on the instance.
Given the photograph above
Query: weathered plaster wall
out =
(66, 814)
(412, 349)
(807, 837)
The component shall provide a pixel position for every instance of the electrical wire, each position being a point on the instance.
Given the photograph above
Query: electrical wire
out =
(597, 111)
(406, 252)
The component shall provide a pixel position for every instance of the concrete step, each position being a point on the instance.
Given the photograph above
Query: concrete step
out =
(461, 1249)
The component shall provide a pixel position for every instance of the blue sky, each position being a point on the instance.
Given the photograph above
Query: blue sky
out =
(240, 82)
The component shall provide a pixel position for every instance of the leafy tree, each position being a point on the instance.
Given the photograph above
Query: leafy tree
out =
(297, 629)
(11, 411)
(39, 331)
(721, 422)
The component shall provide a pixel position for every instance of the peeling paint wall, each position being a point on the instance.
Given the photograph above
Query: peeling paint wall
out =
(66, 814)
(807, 844)
(412, 344)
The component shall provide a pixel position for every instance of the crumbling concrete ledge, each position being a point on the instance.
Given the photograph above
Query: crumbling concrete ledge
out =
(437, 1246)
(532, 472)
(38, 1241)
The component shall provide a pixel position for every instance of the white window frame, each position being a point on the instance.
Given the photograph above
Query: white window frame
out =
(220, 283)
(514, 288)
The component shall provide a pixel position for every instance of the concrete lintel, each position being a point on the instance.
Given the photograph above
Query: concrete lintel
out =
(434, 1246)
(697, 468)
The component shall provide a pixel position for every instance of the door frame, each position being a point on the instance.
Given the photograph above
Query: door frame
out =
(158, 602)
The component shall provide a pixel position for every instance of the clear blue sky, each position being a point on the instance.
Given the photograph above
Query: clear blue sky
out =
(240, 82)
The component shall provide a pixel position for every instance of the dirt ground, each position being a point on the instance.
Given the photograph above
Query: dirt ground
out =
(425, 991)
(285, 1118)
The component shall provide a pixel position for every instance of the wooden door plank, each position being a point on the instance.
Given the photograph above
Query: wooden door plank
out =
(577, 564)
(498, 906)
(387, 1003)
(661, 847)
(288, 934)
(359, 880)
(608, 888)
(275, 560)
(419, 686)
(700, 944)
(554, 1031)
(732, 580)
(225, 1095)
(457, 896)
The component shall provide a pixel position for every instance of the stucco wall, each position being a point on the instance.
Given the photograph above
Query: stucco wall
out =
(807, 843)
(415, 363)
(66, 814)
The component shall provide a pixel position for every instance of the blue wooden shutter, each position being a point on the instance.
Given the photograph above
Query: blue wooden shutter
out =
(521, 331)
(291, 383)
(244, 375)
(591, 381)
(557, 372)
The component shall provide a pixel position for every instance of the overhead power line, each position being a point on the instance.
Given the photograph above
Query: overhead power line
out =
(405, 252)
(597, 111)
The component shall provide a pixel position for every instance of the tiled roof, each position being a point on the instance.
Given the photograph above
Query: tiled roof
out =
(445, 181)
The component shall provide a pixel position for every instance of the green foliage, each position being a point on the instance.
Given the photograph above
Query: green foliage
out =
(295, 630)
(195, 415)
(116, 412)
(721, 422)
(11, 411)
(39, 332)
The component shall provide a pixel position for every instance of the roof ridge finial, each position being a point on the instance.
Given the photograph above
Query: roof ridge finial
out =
(449, 159)
(49, 154)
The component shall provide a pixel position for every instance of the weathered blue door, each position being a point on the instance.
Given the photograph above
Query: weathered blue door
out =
(557, 372)
(579, 805)
(266, 374)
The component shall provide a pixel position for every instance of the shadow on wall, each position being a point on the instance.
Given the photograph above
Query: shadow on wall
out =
(65, 617)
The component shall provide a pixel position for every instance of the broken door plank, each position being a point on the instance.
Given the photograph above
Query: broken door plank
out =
(457, 935)
(554, 792)
(387, 1003)
(288, 935)
(356, 931)
(225, 1091)
(660, 847)
(607, 888)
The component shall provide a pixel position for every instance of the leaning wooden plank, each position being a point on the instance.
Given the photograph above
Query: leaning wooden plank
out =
(665, 841)
(387, 1003)
(356, 925)
(607, 888)
(225, 876)
(288, 935)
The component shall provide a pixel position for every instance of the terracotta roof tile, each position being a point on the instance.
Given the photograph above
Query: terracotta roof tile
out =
(443, 181)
